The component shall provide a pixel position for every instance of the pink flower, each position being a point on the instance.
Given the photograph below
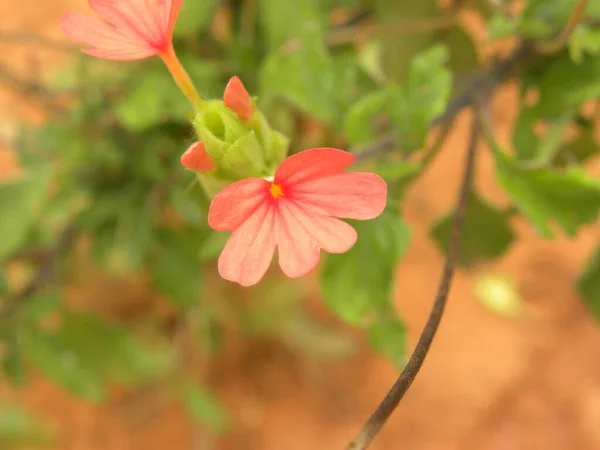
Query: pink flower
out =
(196, 158)
(237, 99)
(296, 213)
(127, 30)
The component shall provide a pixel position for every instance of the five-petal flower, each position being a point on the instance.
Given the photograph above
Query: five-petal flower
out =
(296, 213)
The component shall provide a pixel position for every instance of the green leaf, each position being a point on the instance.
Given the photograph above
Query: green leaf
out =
(525, 139)
(589, 284)
(360, 121)
(21, 201)
(18, 429)
(358, 284)
(486, 232)
(308, 78)
(176, 271)
(213, 245)
(40, 304)
(85, 353)
(583, 81)
(570, 198)
(423, 98)
(194, 17)
(388, 336)
(585, 40)
(204, 407)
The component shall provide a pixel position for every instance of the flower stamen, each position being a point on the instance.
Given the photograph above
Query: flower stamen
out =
(276, 191)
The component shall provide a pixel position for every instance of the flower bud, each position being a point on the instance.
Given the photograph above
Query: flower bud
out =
(197, 159)
(237, 99)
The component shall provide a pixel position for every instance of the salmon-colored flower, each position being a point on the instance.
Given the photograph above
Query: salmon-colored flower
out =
(295, 213)
(131, 30)
(237, 99)
(126, 30)
(196, 158)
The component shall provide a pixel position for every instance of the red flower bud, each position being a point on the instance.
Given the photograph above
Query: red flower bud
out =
(237, 99)
(196, 158)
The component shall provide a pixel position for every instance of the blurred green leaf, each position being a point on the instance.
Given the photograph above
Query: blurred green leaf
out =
(41, 303)
(589, 284)
(388, 336)
(204, 407)
(20, 429)
(176, 271)
(85, 353)
(525, 139)
(20, 200)
(53, 355)
(486, 233)
(307, 77)
(358, 284)
(360, 121)
(424, 97)
(583, 81)
(570, 197)
(194, 17)
(213, 245)
(584, 40)
(283, 21)
(463, 55)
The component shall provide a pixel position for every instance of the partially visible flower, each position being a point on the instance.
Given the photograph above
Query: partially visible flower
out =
(237, 99)
(131, 30)
(295, 213)
(195, 158)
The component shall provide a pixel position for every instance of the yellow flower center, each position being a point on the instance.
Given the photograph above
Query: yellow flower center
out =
(276, 191)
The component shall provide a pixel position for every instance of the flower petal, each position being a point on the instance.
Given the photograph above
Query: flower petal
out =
(146, 20)
(312, 164)
(121, 54)
(297, 250)
(332, 235)
(249, 250)
(96, 33)
(174, 9)
(353, 195)
(237, 202)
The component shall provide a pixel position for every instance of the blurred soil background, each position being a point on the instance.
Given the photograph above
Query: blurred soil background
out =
(490, 382)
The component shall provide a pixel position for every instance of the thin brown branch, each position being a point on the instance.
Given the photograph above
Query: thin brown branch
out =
(558, 43)
(480, 85)
(406, 378)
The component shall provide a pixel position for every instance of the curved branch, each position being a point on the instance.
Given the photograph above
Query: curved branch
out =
(404, 381)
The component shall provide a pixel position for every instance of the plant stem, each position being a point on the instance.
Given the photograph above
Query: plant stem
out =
(406, 378)
(181, 77)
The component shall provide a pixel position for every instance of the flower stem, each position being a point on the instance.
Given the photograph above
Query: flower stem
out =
(181, 77)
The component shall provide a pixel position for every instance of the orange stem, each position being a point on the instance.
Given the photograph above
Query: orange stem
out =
(181, 77)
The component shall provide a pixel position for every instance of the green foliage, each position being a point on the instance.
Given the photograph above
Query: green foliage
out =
(423, 97)
(486, 233)
(84, 354)
(23, 197)
(570, 197)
